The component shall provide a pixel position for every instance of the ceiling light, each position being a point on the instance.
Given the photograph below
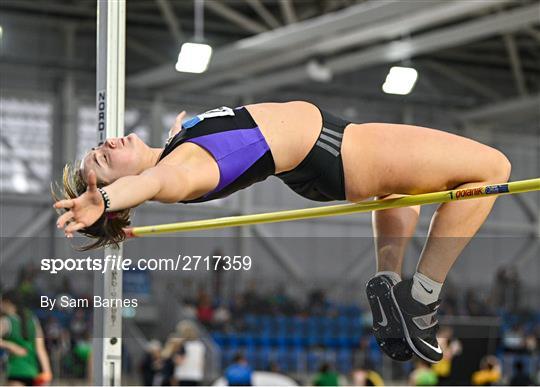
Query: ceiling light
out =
(318, 71)
(20, 182)
(400, 80)
(194, 58)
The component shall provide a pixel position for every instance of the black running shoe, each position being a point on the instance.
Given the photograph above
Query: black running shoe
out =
(419, 322)
(386, 323)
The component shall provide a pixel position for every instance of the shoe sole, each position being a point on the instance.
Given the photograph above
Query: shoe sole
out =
(379, 290)
(406, 332)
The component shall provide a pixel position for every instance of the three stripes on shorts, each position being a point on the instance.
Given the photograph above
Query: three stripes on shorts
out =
(330, 141)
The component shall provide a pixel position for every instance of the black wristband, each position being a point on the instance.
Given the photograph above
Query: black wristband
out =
(105, 197)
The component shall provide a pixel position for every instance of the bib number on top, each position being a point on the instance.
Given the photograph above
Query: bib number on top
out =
(219, 112)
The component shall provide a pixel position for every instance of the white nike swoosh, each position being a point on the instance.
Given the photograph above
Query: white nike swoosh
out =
(436, 349)
(384, 321)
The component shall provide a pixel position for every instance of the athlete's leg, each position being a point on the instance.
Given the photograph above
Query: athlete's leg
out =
(381, 159)
(386, 158)
(393, 230)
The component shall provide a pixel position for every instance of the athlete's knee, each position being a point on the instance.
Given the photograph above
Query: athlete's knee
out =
(500, 167)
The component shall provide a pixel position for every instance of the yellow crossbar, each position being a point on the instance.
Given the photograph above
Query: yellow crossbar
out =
(341, 209)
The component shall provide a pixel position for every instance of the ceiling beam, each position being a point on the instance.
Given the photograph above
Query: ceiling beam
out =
(48, 7)
(408, 21)
(33, 11)
(462, 79)
(515, 63)
(492, 60)
(521, 109)
(316, 28)
(534, 33)
(287, 11)
(405, 25)
(264, 13)
(170, 18)
(462, 33)
(134, 45)
(309, 12)
(234, 16)
(282, 38)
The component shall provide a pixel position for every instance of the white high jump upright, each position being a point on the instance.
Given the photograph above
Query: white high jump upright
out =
(110, 89)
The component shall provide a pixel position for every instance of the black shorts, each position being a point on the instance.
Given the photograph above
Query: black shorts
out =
(320, 175)
(21, 380)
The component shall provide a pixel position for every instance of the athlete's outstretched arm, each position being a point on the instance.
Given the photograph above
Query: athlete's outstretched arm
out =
(164, 183)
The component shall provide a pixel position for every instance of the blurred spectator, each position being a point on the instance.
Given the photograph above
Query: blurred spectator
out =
(21, 335)
(423, 375)
(370, 349)
(274, 367)
(326, 376)
(65, 288)
(451, 347)
(171, 351)
(205, 313)
(189, 311)
(280, 302)
(489, 373)
(239, 373)
(82, 353)
(520, 377)
(79, 326)
(450, 297)
(238, 306)
(363, 376)
(317, 303)
(531, 343)
(221, 318)
(217, 276)
(505, 294)
(473, 306)
(53, 332)
(152, 364)
(57, 341)
(189, 361)
(514, 339)
(26, 288)
(251, 301)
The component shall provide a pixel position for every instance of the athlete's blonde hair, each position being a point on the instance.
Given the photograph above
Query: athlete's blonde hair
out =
(108, 229)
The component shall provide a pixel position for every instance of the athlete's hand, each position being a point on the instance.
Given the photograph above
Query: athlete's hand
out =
(15, 349)
(177, 124)
(82, 211)
(43, 379)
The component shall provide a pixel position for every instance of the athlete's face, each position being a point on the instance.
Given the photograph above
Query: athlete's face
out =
(116, 158)
(6, 306)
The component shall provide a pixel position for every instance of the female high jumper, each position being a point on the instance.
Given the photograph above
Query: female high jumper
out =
(321, 157)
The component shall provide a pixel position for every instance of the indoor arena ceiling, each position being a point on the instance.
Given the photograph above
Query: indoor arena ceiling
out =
(469, 53)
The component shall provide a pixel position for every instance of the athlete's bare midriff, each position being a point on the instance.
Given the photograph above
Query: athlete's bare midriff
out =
(290, 129)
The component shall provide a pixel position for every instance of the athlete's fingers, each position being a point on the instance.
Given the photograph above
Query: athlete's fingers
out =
(64, 218)
(177, 127)
(72, 227)
(67, 203)
(179, 118)
(92, 181)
